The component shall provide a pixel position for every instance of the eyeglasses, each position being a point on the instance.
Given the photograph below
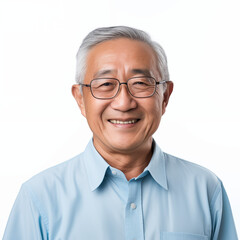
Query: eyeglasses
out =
(138, 87)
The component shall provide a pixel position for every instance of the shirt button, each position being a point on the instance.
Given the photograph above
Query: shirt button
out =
(114, 173)
(133, 206)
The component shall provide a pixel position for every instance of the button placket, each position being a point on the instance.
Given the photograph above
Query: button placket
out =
(133, 212)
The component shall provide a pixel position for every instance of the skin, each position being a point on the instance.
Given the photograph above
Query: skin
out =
(127, 147)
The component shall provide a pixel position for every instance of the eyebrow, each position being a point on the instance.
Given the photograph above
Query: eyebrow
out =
(103, 72)
(144, 72)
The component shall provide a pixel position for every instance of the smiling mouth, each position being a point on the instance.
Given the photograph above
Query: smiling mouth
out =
(123, 122)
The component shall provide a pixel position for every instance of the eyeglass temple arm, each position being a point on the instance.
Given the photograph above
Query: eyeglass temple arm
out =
(85, 85)
(162, 82)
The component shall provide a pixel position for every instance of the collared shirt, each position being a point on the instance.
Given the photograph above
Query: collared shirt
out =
(85, 198)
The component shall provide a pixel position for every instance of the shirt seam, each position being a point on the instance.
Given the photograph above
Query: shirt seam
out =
(215, 194)
(36, 202)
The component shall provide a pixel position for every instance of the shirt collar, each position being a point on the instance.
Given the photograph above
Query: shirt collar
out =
(157, 166)
(96, 166)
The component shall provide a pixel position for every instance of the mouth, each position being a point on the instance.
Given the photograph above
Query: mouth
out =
(130, 121)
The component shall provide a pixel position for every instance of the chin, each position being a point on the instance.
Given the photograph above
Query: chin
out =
(124, 145)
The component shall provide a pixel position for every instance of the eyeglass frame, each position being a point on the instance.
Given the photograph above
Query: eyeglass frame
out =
(126, 83)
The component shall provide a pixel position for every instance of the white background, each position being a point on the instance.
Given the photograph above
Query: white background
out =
(40, 124)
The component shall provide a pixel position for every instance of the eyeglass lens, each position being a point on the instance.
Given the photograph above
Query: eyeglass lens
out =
(138, 87)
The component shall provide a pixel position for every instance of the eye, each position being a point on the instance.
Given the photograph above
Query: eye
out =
(106, 84)
(140, 83)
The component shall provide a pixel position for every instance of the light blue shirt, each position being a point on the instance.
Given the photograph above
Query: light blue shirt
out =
(86, 199)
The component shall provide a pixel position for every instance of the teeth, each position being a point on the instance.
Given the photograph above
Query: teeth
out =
(123, 122)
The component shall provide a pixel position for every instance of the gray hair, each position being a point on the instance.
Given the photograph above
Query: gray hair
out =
(109, 33)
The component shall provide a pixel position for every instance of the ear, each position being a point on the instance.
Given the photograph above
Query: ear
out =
(79, 98)
(167, 95)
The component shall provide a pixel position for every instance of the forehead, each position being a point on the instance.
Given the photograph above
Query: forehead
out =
(121, 55)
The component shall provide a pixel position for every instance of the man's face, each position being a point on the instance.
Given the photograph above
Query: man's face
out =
(122, 59)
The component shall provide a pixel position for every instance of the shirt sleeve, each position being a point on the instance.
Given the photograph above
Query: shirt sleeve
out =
(25, 221)
(222, 218)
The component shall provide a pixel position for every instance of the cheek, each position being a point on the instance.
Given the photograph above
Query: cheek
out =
(156, 105)
(95, 109)
(155, 113)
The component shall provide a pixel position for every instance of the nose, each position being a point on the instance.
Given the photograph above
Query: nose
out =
(124, 101)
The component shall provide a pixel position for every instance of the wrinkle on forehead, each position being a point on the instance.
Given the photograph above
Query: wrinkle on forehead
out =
(135, 71)
(121, 56)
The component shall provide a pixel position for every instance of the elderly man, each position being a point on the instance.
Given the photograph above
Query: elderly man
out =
(122, 186)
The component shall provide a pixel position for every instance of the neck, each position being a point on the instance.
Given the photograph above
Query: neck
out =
(131, 163)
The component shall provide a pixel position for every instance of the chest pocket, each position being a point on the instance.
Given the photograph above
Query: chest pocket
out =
(181, 236)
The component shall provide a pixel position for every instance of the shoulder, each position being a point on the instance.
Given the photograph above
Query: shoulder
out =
(187, 168)
(49, 190)
(55, 176)
(191, 175)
